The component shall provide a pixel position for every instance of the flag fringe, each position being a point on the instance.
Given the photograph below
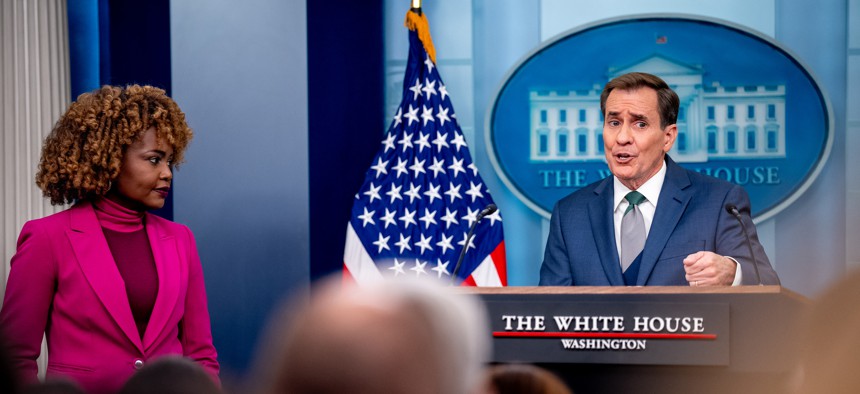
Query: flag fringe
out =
(419, 24)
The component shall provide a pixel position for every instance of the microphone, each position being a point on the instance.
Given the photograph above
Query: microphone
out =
(733, 210)
(489, 210)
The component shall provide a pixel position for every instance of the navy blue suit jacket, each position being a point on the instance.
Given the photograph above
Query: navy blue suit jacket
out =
(690, 217)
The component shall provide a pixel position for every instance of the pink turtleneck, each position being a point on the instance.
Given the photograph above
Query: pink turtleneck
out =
(126, 236)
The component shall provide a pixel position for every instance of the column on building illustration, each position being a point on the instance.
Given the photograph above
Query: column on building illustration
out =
(745, 121)
(566, 125)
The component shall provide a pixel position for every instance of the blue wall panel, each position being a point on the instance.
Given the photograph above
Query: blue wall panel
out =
(239, 70)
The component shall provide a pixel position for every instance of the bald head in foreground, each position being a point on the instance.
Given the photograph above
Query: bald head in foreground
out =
(391, 337)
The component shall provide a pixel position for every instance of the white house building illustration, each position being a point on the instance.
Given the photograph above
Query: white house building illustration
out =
(714, 122)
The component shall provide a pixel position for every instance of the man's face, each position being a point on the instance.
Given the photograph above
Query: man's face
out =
(635, 144)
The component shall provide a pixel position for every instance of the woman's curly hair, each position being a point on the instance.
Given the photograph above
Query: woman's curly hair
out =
(83, 154)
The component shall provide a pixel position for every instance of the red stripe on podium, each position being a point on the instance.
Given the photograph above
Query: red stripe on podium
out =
(520, 334)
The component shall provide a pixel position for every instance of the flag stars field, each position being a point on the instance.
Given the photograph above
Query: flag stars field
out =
(380, 167)
(416, 89)
(382, 243)
(427, 115)
(397, 267)
(367, 217)
(422, 142)
(412, 115)
(419, 267)
(441, 268)
(429, 88)
(437, 167)
(441, 141)
(394, 193)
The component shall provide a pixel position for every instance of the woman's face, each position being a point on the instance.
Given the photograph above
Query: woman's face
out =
(144, 179)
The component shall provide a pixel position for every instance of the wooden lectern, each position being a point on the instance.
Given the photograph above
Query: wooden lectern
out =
(651, 339)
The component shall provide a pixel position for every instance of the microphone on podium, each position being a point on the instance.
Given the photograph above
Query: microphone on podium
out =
(489, 210)
(733, 210)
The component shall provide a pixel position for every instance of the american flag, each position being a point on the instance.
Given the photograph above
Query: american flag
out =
(422, 193)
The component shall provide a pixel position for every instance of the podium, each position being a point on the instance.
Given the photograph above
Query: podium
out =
(651, 339)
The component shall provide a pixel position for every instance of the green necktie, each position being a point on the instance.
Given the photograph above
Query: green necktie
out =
(632, 230)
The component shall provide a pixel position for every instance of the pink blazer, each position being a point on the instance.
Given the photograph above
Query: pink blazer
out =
(64, 282)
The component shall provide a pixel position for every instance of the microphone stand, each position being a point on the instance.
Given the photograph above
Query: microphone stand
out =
(733, 210)
(487, 211)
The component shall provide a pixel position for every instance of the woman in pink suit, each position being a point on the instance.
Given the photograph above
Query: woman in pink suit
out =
(111, 286)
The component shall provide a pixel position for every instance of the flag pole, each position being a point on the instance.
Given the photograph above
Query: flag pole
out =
(416, 6)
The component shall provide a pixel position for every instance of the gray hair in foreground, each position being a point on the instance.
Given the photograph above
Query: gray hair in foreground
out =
(392, 336)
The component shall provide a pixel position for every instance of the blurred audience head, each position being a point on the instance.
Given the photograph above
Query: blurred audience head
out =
(524, 379)
(830, 356)
(391, 337)
(8, 376)
(171, 375)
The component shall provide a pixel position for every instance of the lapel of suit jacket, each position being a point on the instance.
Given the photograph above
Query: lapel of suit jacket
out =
(167, 262)
(673, 202)
(96, 261)
(603, 229)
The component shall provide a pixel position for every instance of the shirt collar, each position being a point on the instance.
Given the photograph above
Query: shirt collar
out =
(651, 188)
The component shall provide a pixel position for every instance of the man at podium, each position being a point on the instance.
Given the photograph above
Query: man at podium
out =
(653, 223)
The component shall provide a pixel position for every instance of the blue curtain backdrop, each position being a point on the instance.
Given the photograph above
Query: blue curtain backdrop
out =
(346, 119)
